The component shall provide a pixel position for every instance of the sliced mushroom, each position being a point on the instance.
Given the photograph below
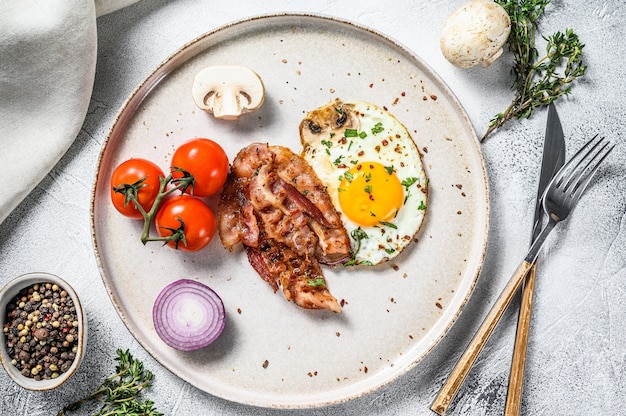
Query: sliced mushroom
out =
(475, 33)
(228, 91)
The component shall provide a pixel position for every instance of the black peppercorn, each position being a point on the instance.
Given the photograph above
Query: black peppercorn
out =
(41, 333)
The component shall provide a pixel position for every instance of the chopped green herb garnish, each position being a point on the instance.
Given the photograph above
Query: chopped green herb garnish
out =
(327, 143)
(390, 250)
(349, 176)
(422, 206)
(362, 135)
(368, 177)
(389, 224)
(337, 161)
(368, 189)
(351, 133)
(305, 192)
(332, 134)
(408, 182)
(317, 282)
(378, 128)
(389, 169)
(357, 235)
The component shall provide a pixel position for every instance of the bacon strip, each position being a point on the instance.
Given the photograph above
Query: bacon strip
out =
(236, 219)
(275, 204)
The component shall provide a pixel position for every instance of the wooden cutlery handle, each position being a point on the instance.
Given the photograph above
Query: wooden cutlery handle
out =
(465, 363)
(516, 379)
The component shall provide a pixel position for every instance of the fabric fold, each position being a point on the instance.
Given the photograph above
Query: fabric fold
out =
(47, 69)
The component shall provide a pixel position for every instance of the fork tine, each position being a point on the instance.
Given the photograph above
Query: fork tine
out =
(576, 175)
(567, 171)
(590, 170)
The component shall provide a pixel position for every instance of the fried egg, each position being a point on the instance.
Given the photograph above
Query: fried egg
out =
(373, 172)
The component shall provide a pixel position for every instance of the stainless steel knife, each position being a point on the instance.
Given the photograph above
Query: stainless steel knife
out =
(553, 159)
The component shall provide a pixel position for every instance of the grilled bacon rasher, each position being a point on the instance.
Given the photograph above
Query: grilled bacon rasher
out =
(276, 206)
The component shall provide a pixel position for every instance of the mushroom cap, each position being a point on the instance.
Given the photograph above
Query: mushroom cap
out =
(475, 34)
(228, 91)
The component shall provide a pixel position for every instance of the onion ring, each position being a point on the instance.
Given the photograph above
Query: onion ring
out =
(188, 315)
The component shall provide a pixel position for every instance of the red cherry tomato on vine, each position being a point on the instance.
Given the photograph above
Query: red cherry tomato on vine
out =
(206, 161)
(128, 174)
(190, 213)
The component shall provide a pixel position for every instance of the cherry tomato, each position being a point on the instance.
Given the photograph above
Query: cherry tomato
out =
(127, 175)
(206, 161)
(193, 215)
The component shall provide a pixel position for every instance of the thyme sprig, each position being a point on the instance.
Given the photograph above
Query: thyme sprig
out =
(121, 392)
(538, 81)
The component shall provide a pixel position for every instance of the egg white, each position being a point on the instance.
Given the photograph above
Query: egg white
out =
(380, 138)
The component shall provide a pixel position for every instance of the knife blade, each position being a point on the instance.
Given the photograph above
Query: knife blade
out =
(553, 158)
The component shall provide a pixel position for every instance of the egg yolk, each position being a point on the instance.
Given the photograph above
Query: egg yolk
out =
(370, 193)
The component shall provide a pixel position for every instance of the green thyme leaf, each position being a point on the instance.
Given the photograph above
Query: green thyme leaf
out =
(120, 394)
(538, 80)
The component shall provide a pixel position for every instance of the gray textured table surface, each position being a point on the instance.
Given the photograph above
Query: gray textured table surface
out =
(577, 352)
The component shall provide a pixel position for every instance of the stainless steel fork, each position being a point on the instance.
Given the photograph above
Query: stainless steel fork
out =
(560, 197)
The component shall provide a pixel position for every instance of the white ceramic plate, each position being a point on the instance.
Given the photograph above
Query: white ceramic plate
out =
(394, 313)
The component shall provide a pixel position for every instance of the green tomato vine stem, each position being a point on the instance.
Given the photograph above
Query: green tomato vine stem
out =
(180, 184)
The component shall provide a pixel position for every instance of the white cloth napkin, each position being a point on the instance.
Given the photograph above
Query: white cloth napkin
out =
(47, 66)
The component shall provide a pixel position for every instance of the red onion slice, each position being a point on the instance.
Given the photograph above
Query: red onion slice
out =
(188, 315)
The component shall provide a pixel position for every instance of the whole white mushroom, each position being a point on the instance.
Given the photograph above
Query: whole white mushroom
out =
(475, 33)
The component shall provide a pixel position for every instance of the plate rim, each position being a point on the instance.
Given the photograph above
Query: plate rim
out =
(152, 80)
